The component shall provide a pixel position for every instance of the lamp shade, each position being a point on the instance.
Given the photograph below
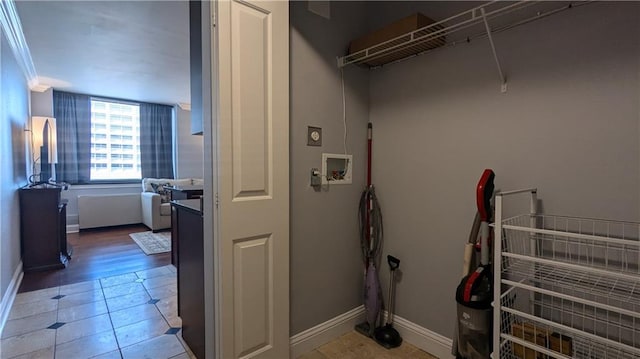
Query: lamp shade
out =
(37, 137)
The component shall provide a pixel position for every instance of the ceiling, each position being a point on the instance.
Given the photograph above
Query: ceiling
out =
(135, 50)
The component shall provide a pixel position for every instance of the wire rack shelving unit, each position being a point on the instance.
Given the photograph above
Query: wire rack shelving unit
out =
(481, 21)
(567, 287)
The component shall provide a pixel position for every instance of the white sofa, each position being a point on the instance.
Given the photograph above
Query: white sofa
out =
(156, 214)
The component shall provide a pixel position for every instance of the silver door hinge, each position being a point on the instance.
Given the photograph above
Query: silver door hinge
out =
(217, 201)
(214, 7)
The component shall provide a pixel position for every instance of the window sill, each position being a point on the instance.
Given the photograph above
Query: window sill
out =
(105, 185)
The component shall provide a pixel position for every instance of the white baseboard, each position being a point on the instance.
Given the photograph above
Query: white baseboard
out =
(323, 333)
(73, 228)
(10, 295)
(423, 338)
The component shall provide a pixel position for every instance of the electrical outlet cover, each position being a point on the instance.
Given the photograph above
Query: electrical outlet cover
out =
(314, 136)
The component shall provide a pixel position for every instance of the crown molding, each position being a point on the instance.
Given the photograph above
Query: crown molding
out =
(39, 88)
(12, 28)
(185, 106)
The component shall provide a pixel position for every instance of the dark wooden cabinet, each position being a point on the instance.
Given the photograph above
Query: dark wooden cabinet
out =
(184, 192)
(187, 231)
(43, 228)
(179, 193)
(174, 236)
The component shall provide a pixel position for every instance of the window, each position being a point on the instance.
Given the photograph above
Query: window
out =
(134, 131)
(115, 126)
(119, 156)
(98, 156)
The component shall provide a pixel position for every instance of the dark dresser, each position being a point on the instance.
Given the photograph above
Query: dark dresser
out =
(43, 228)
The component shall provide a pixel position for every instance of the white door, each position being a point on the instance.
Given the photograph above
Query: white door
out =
(253, 175)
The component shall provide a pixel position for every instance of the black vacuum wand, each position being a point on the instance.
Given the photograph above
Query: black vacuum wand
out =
(387, 336)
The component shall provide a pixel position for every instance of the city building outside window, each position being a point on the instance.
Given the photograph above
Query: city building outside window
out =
(115, 140)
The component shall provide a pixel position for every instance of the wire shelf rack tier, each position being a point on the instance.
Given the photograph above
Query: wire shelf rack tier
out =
(583, 344)
(592, 330)
(459, 28)
(581, 285)
(575, 278)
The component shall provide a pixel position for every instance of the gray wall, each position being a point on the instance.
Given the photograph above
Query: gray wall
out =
(14, 112)
(42, 103)
(188, 147)
(326, 270)
(567, 125)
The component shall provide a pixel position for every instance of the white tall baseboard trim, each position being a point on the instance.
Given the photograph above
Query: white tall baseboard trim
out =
(73, 228)
(10, 295)
(423, 338)
(323, 333)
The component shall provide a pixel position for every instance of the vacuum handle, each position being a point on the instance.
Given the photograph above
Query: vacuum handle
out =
(484, 192)
(394, 262)
(369, 152)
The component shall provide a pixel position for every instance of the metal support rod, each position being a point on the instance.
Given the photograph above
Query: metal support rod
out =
(392, 285)
(503, 80)
(533, 223)
(497, 272)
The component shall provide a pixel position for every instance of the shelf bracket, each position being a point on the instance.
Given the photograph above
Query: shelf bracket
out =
(503, 79)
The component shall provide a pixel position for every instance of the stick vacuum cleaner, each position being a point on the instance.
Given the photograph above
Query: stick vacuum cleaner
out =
(386, 335)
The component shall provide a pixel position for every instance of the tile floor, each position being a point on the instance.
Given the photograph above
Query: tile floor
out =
(130, 316)
(356, 346)
(126, 316)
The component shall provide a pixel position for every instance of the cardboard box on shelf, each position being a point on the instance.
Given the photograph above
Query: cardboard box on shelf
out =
(561, 344)
(393, 30)
(532, 334)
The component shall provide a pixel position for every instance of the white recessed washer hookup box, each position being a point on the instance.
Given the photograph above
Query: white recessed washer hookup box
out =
(336, 168)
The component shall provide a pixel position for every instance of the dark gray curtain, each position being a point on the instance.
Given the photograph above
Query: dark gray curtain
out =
(73, 121)
(156, 146)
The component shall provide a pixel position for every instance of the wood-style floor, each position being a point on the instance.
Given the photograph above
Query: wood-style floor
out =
(97, 254)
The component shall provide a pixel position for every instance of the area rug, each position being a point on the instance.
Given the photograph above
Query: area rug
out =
(153, 243)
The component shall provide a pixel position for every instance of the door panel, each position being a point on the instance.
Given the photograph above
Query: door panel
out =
(252, 277)
(250, 51)
(253, 155)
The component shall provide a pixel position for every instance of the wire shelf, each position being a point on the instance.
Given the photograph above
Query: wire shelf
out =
(459, 28)
(583, 344)
(595, 244)
(568, 277)
(585, 349)
(591, 329)
(605, 289)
